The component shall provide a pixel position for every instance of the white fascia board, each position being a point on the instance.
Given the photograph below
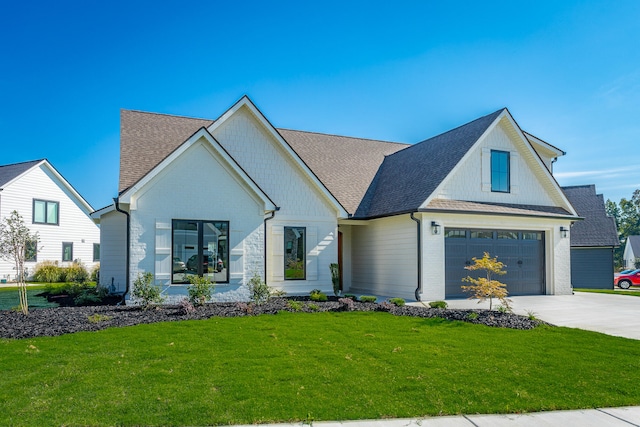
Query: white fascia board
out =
(82, 202)
(535, 140)
(127, 196)
(95, 215)
(246, 102)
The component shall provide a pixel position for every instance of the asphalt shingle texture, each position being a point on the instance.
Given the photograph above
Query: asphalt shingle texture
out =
(597, 228)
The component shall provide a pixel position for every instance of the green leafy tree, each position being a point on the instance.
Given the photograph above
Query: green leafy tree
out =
(627, 218)
(484, 288)
(17, 244)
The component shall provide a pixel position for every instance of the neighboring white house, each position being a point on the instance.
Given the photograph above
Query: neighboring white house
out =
(50, 206)
(233, 197)
(631, 251)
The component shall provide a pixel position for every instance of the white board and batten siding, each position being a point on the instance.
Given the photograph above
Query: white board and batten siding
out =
(113, 238)
(74, 224)
(301, 203)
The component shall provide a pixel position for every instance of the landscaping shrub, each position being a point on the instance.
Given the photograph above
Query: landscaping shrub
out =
(200, 290)
(294, 305)
(89, 295)
(399, 302)
(368, 298)
(351, 296)
(317, 295)
(347, 303)
(145, 291)
(259, 291)
(438, 304)
(335, 278)
(95, 273)
(47, 271)
(76, 272)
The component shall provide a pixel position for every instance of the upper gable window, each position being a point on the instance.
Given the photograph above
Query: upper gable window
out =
(46, 212)
(500, 171)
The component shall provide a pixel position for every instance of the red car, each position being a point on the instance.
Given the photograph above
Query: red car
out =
(624, 281)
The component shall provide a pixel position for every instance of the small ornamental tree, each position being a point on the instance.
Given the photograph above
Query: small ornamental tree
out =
(18, 244)
(486, 287)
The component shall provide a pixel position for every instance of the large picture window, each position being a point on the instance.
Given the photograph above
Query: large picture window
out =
(45, 212)
(200, 248)
(294, 252)
(500, 171)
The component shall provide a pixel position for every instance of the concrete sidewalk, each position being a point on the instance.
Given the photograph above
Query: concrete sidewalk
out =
(607, 417)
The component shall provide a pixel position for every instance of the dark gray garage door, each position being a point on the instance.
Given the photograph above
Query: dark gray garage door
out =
(592, 268)
(521, 251)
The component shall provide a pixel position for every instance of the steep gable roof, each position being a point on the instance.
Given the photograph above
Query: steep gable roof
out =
(345, 165)
(202, 135)
(408, 177)
(10, 172)
(597, 228)
(148, 138)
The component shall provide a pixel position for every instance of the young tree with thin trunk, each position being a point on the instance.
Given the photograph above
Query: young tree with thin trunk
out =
(17, 244)
(486, 287)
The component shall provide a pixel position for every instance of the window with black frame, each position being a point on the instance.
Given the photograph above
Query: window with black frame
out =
(46, 212)
(500, 171)
(200, 248)
(294, 253)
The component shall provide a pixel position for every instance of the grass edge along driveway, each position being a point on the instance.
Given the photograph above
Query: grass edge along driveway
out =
(305, 367)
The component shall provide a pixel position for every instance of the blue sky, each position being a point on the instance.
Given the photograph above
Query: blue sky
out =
(569, 72)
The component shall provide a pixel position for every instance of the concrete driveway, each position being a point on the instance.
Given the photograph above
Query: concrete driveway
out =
(610, 314)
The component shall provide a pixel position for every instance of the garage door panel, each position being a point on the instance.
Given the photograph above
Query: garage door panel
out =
(521, 252)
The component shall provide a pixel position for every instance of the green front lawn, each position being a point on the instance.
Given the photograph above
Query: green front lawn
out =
(305, 367)
(9, 298)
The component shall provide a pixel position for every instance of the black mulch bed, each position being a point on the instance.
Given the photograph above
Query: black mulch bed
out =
(66, 320)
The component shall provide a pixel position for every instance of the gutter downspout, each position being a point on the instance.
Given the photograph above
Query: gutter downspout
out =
(419, 227)
(273, 213)
(116, 200)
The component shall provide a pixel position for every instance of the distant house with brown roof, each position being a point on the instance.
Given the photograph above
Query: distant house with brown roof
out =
(234, 197)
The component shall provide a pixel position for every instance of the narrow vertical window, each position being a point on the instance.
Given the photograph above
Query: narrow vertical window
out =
(67, 251)
(96, 251)
(500, 171)
(295, 253)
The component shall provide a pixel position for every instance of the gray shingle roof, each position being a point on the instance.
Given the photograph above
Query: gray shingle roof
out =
(634, 241)
(597, 229)
(408, 177)
(345, 165)
(147, 138)
(9, 172)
